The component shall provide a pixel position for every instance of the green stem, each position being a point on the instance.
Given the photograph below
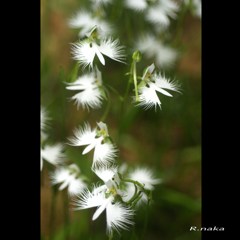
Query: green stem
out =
(132, 181)
(135, 80)
(104, 116)
(110, 236)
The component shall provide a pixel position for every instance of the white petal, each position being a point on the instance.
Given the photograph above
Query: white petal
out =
(148, 97)
(100, 56)
(112, 49)
(89, 148)
(104, 154)
(118, 217)
(144, 176)
(105, 173)
(88, 98)
(84, 53)
(165, 83)
(83, 136)
(101, 208)
(89, 200)
(164, 92)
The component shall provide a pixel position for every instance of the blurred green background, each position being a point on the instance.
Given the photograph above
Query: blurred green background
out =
(167, 140)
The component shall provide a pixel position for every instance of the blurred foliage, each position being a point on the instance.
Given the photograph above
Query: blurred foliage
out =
(168, 140)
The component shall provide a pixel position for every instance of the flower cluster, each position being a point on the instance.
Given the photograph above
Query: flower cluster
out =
(121, 190)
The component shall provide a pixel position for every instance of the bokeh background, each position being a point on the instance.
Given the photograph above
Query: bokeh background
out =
(167, 140)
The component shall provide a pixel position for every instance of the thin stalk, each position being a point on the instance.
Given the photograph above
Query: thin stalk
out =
(107, 109)
(135, 80)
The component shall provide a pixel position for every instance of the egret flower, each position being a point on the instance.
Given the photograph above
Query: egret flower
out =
(118, 215)
(137, 5)
(86, 50)
(91, 91)
(164, 55)
(52, 154)
(86, 22)
(69, 177)
(97, 139)
(153, 83)
(160, 12)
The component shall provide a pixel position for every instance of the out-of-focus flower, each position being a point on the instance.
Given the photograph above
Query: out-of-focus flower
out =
(164, 56)
(86, 22)
(52, 154)
(91, 90)
(97, 3)
(161, 12)
(144, 176)
(137, 5)
(69, 177)
(97, 139)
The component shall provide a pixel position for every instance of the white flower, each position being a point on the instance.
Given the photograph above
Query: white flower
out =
(52, 154)
(137, 5)
(69, 177)
(86, 22)
(118, 216)
(151, 85)
(164, 55)
(104, 150)
(97, 3)
(86, 50)
(159, 13)
(91, 91)
(144, 176)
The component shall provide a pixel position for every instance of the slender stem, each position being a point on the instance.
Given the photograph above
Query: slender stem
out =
(145, 221)
(135, 80)
(132, 181)
(110, 236)
(107, 109)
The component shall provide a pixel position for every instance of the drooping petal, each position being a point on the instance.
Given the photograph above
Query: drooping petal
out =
(118, 217)
(99, 54)
(101, 208)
